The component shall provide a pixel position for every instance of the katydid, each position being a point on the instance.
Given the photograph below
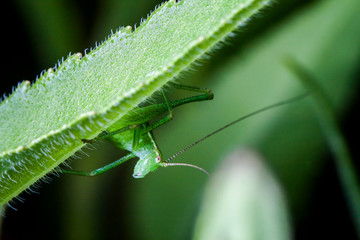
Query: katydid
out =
(133, 133)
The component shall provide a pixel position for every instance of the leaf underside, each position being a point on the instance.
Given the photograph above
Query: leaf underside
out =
(42, 124)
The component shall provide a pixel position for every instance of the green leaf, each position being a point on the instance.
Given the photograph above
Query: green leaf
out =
(243, 201)
(43, 124)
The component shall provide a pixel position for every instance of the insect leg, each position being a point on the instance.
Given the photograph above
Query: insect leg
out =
(100, 170)
(137, 136)
(208, 95)
(190, 88)
(162, 121)
(107, 134)
(206, 91)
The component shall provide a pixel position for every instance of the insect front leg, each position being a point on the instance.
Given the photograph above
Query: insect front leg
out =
(101, 170)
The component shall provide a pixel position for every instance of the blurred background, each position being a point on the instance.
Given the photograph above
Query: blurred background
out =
(245, 73)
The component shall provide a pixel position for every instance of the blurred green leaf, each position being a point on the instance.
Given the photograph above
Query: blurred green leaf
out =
(243, 201)
(335, 139)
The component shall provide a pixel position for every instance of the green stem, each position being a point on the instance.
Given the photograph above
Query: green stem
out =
(334, 137)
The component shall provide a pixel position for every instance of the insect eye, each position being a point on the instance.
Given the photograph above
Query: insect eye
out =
(158, 159)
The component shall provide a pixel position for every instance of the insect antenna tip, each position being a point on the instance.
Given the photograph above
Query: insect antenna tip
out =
(167, 164)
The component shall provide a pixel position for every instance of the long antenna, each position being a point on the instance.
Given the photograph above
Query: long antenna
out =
(278, 104)
(166, 164)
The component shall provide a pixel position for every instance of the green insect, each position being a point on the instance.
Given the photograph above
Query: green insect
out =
(133, 132)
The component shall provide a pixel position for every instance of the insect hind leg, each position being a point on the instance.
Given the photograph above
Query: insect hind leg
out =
(206, 91)
(170, 105)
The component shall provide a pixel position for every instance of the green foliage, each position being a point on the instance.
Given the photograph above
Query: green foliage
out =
(43, 125)
(245, 74)
(289, 138)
